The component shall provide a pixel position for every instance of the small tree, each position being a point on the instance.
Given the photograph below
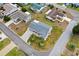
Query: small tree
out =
(6, 18)
(71, 46)
(51, 6)
(24, 9)
(41, 42)
(76, 29)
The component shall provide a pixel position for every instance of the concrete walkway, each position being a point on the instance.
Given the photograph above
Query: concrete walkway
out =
(26, 35)
(2, 36)
(8, 48)
(62, 41)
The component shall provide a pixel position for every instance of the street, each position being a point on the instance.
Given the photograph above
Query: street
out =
(16, 39)
(62, 41)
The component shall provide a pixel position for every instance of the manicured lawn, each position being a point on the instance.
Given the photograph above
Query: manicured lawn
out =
(20, 28)
(15, 52)
(75, 40)
(4, 43)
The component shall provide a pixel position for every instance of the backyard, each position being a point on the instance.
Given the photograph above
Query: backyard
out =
(16, 52)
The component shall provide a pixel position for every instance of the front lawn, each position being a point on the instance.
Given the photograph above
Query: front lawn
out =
(20, 28)
(15, 52)
(4, 43)
(75, 40)
(36, 42)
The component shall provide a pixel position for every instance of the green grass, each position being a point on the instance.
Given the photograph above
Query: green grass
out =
(28, 7)
(4, 43)
(15, 52)
(60, 3)
(75, 40)
(74, 8)
(34, 40)
(55, 34)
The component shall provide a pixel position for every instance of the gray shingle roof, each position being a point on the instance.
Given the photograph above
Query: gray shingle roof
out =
(19, 14)
(40, 28)
(9, 8)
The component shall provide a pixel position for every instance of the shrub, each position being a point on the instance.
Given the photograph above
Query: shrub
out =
(76, 29)
(71, 46)
(51, 6)
(6, 18)
(24, 9)
(41, 43)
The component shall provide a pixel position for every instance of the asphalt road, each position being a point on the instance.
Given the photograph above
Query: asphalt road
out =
(64, 38)
(62, 41)
(17, 40)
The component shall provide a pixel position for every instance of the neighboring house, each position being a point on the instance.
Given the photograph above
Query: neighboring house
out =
(22, 4)
(19, 15)
(38, 7)
(74, 4)
(55, 14)
(9, 8)
(40, 29)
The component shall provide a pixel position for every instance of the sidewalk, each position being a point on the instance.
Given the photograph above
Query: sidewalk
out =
(8, 23)
(8, 48)
(62, 41)
(26, 35)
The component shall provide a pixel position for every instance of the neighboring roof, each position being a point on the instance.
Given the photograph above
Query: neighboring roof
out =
(21, 15)
(9, 8)
(53, 13)
(37, 6)
(39, 28)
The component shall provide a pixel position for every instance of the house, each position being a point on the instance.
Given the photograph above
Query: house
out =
(40, 29)
(38, 7)
(73, 4)
(8, 8)
(21, 4)
(19, 15)
(55, 14)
